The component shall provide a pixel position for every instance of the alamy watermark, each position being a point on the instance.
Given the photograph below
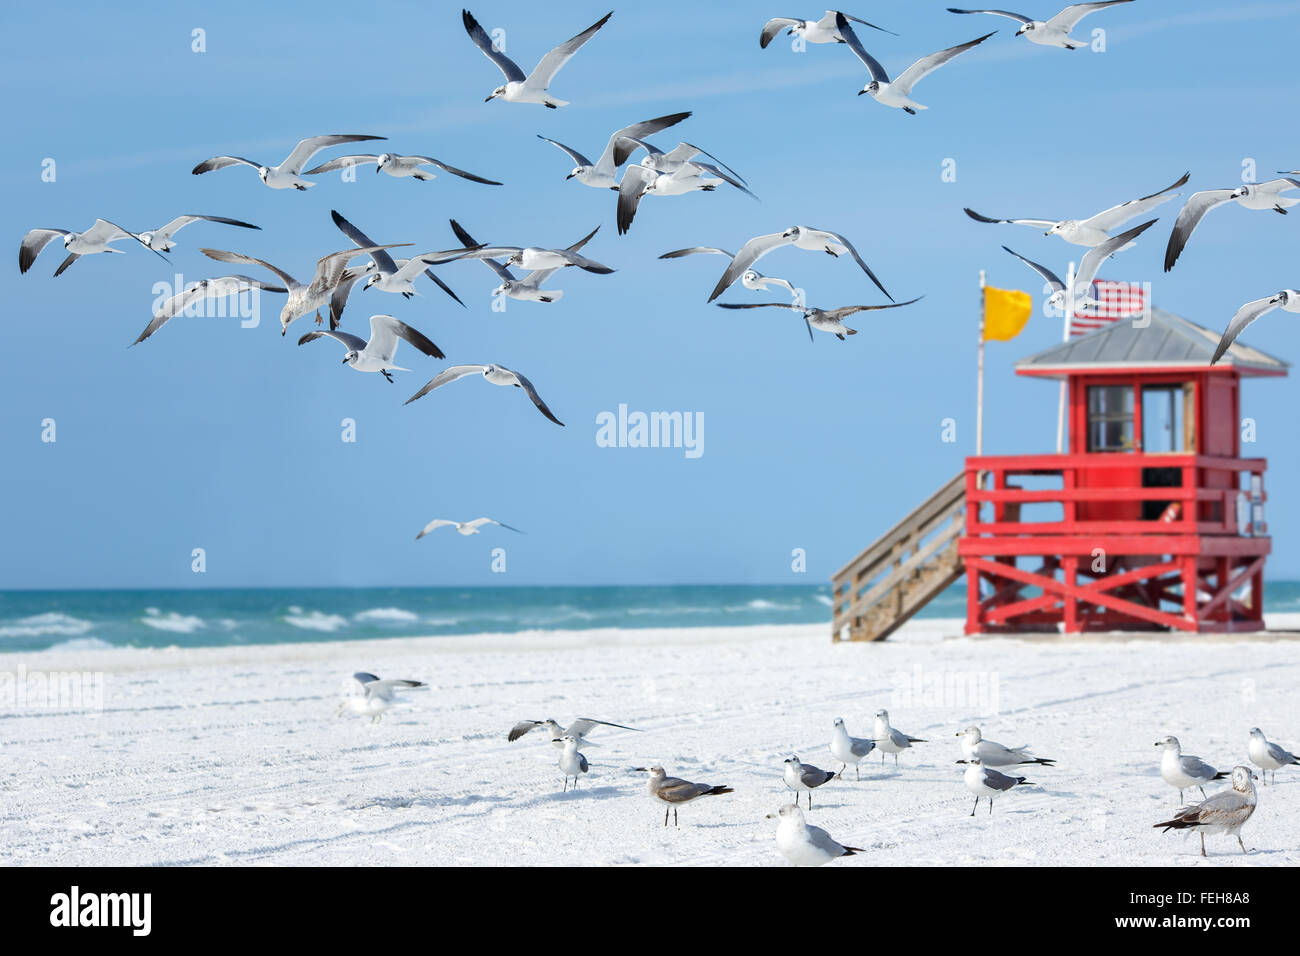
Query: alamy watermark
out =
(626, 429)
(57, 691)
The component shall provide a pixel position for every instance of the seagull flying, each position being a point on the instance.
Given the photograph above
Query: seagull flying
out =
(466, 528)
(1268, 756)
(1251, 195)
(160, 239)
(811, 31)
(496, 374)
(750, 279)
(378, 695)
(889, 740)
(578, 729)
(1094, 231)
(987, 782)
(804, 778)
(527, 289)
(530, 257)
(78, 244)
(675, 791)
(217, 288)
(1054, 31)
(805, 845)
(399, 166)
(600, 174)
(305, 299)
(1088, 267)
(1183, 771)
(1225, 812)
(377, 354)
(1288, 299)
(898, 92)
(993, 754)
(849, 750)
(519, 88)
(286, 175)
(824, 320)
(669, 174)
(801, 237)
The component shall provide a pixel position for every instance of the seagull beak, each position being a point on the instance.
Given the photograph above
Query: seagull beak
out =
(771, 816)
(490, 98)
(345, 361)
(570, 176)
(860, 92)
(641, 769)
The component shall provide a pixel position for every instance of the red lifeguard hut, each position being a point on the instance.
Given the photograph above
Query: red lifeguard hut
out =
(1150, 519)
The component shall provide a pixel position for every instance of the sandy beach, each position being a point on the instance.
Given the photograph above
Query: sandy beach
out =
(235, 755)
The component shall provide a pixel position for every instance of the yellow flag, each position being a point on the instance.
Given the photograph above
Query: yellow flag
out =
(1005, 313)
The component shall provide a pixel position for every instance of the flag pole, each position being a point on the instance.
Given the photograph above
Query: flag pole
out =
(979, 388)
(1065, 337)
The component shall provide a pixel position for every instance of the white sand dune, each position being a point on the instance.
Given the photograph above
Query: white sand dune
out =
(235, 756)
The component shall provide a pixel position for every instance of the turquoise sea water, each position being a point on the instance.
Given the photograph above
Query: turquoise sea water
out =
(36, 620)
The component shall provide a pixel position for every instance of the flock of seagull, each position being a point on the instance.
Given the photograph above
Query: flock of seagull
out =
(1224, 812)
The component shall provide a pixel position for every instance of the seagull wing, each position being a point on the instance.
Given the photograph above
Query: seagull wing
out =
(696, 250)
(441, 523)
(759, 305)
(207, 289)
(484, 43)
(724, 176)
(551, 64)
(364, 677)
(856, 258)
(581, 242)
(844, 312)
(221, 162)
(384, 689)
(331, 269)
(878, 72)
(585, 725)
(616, 152)
(175, 226)
(1094, 257)
(749, 253)
(1247, 314)
(998, 781)
(446, 375)
(383, 261)
(528, 388)
(635, 182)
(307, 148)
(1278, 185)
(521, 728)
(339, 297)
(1000, 13)
(1196, 768)
(773, 27)
(457, 172)
(928, 64)
(574, 155)
(222, 256)
(386, 330)
(469, 243)
(582, 262)
(353, 343)
(1280, 754)
(849, 16)
(1118, 215)
(1037, 223)
(1198, 204)
(823, 841)
(105, 231)
(343, 162)
(1050, 277)
(34, 242)
(482, 521)
(1071, 15)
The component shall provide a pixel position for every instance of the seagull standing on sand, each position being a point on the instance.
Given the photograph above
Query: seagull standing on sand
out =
(1251, 195)
(398, 166)
(578, 729)
(848, 750)
(889, 740)
(898, 92)
(1225, 812)
(532, 88)
(811, 31)
(465, 528)
(601, 173)
(496, 374)
(94, 240)
(378, 695)
(1054, 31)
(805, 845)
(824, 320)
(993, 754)
(1097, 229)
(160, 239)
(287, 174)
(1184, 771)
(1287, 299)
(306, 298)
(377, 354)
(217, 288)
(750, 279)
(571, 762)
(986, 782)
(675, 791)
(804, 778)
(1268, 756)
(801, 237)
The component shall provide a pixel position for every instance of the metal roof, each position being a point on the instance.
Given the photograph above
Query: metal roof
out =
(1166, 341)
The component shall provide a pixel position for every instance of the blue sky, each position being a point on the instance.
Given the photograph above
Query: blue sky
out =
(228, 439)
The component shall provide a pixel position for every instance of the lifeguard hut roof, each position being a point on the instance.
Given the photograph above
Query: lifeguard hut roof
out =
(1168, 341)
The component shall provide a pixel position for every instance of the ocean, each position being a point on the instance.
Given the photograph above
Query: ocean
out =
(39, 620)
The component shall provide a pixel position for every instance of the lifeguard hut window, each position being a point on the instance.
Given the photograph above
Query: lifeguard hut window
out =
(1110, 418)
(1168, 418)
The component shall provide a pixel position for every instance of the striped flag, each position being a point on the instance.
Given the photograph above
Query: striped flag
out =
(1111, 300)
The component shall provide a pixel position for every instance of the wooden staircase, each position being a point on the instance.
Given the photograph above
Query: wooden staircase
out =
(876, 592)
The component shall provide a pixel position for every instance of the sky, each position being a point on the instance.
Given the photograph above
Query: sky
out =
(228, 439)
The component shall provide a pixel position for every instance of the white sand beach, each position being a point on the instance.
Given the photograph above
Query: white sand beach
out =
(235, 755)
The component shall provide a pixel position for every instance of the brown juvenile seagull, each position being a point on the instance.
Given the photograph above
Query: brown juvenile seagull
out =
(1225, 812)
(674, 790)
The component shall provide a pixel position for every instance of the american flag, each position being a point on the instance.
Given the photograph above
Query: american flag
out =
(1114, 300)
